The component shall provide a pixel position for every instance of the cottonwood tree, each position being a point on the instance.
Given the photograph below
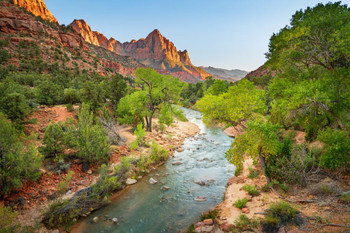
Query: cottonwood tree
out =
(156, 92)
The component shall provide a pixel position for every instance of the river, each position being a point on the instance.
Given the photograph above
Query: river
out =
(146, 208)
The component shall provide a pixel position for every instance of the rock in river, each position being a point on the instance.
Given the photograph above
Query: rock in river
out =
(177, 163)
(130, 181)
(152, 181)
(200, 198)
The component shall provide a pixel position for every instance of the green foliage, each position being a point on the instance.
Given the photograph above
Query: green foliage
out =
(88, 137)
(4, 56)
(124, 166)
(63, 184)
(117, 88)
(344, 197)
(241, 102)
(240, 203)
(71, 96)
(157, 92)
(280, 213)
(259, 141)
(94, 94)
(253, 173)
(218, 87)
(158, 153)
(337, 149)
(16, 162)
(49, 93)
(293, 163)
(7, 217)
(243, 222)
(53, 141)
(140, 137)
(251, 190)
(239, 169)
(70, 107)
(312, 60)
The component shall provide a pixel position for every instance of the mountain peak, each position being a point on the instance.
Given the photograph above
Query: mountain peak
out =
(37, 8)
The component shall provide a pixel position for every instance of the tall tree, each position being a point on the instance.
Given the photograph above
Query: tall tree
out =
(156, 92)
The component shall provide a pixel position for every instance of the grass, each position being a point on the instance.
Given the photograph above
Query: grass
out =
(239, 170)
(345, 198)
(253, 173)
(241, 203)
(251, 190)
(243, 222)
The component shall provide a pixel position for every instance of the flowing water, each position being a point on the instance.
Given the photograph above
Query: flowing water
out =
(147, 208)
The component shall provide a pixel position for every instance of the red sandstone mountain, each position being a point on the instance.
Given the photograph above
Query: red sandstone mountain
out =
(38, 8)
(155, 51)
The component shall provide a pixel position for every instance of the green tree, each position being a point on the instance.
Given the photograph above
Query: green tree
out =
(217, 88)
(94, 94)
(49, 93)
(260, 141)
(156, 92)
(241, 102)
(117, 89)
(16, 162)
(336, 152)
(311, 58)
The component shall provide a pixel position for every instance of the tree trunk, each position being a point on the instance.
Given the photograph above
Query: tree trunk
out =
(263, 164)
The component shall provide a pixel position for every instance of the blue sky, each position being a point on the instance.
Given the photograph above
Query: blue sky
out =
(231, 34)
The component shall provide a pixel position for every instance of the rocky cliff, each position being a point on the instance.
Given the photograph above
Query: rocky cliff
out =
(54, 45)
(38, 8)
(155, 51)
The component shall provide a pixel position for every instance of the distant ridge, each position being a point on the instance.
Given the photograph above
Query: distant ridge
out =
(224, 74)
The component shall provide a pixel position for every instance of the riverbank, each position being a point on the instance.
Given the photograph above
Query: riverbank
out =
(320, 204)
(31, 213)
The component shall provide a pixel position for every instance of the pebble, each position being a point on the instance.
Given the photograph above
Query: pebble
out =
(95, 219)
(165, 188)
(208, 221)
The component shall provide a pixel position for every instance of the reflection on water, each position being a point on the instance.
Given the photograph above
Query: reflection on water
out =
(147, 208)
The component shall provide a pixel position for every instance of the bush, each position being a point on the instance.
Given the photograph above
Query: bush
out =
(140, 137)
(70, 107)
(158, 153)
(124, 166)
(337, 149)
(253, 173)
(7, 217)
(251, 190)
(90, 137)
(243, 222)
(49, 93)
(280, 213)
(54, 141)
(241, 203)
(16, 163)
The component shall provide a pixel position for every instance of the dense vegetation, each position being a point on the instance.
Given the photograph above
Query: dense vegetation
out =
(309, 91)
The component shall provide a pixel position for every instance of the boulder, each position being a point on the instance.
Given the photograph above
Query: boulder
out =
(130, 181)
(152, 181)
(177, 163)
(208, 221)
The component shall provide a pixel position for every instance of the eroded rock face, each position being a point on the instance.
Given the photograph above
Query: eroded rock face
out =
(38, 8)
(82, 28)
(155, 51)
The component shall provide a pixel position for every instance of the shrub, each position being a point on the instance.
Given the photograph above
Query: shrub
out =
(337, 149)
(243, 222)
(280, 213)
(284, 187)
(140, 137)
(158, 153)
(238, 170)
(124, 166)
(7, 217)
(344, 197)
(63, 184)
(251, 190)
(253, 173)
(92, 142)
(54, 141)
(16, 163)
(241, 203)
(70, 107)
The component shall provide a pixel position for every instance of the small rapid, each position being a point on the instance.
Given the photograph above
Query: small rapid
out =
(146, 208)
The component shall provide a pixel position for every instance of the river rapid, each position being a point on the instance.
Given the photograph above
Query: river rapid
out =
(147, 208)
